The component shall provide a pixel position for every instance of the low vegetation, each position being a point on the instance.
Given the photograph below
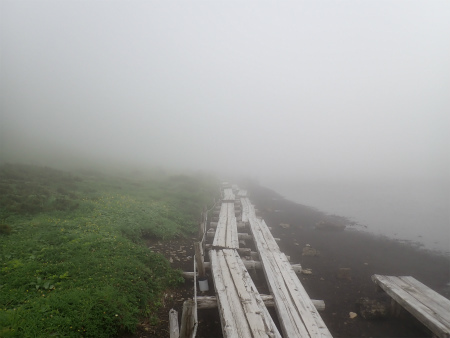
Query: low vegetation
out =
(72, 257)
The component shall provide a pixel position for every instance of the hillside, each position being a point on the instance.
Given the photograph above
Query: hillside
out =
(72, 256)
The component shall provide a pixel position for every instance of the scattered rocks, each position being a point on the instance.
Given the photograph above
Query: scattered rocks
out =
(372, 309)
(309, 251)
(352, 315)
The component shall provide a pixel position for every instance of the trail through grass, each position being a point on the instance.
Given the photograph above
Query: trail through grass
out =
(72, 259)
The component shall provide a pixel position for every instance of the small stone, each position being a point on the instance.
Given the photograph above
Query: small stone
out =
(309, 251)
(307, 271)
(352, 315)
(296, 244)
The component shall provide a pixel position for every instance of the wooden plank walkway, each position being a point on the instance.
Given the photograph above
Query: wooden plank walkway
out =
(296, 312)
(228, 195)
(226, 235)
(242, 311)
(432, 309)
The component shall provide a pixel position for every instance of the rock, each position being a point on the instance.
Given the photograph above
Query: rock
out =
(344, 273)
(372, 309)
(309, 251)
(329, 226)
(307, 271)
(284, 225)
(352, 315)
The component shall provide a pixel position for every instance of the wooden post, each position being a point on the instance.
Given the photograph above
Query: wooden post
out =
(173, 324)
(200, 231)
(199, 259)
(187, 319)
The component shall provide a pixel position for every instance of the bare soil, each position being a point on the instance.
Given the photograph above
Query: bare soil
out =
(362, 254)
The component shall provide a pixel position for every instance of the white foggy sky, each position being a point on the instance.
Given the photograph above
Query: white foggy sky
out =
(301, 88)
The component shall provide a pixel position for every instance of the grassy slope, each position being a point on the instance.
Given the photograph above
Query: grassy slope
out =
(72, 259)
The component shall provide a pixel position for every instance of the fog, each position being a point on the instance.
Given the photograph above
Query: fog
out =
(298, 95)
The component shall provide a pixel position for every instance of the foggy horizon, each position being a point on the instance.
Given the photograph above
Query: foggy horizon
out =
(292, 90)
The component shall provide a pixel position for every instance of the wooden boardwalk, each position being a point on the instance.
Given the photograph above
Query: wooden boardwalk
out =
(241, 307)
(242, 310)
(296, 312)
(432, 309)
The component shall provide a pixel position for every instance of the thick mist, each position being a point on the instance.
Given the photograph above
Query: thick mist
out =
(282, 92)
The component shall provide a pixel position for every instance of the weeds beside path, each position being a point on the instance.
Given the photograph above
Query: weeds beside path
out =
(73, 261)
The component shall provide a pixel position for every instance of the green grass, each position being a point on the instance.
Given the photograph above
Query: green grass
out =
(72, 257)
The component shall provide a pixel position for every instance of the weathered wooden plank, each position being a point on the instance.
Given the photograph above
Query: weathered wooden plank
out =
(226, 231)
(173, 324)
(435, 301)
(228, 195)
(226, 312)
(188, 319)
(252, 303)
(298, 316)
(242, 193)
(410, 298)
(243, 313)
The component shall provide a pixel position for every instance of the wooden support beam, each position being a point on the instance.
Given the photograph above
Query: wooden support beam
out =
(188, 319)
(244, 236)
(210, 302)
(254, 255)
(173, 324)
(241, 251)
(248, 265)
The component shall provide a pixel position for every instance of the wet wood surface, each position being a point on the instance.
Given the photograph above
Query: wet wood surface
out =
(429, 307)
(242, 311)
(296, 312)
